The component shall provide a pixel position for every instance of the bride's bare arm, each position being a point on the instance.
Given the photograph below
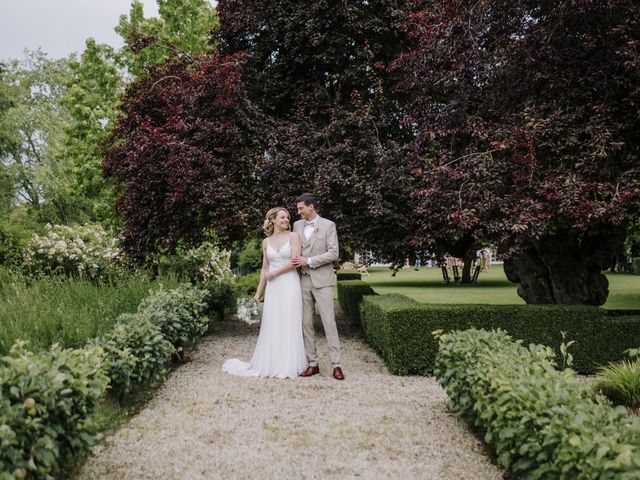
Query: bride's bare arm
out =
(263, 272)
(296, 248)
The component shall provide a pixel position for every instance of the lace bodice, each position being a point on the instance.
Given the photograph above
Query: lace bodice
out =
(277, 258)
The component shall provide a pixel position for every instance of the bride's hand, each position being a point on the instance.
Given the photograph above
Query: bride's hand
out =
(256, 298)
(270, 276)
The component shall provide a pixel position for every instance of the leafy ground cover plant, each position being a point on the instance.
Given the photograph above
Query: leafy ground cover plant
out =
(542, 423)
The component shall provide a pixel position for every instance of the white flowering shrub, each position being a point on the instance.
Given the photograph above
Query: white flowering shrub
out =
(86, 251)
(208, 263)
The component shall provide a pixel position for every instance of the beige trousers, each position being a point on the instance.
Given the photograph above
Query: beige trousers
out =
(323, 297)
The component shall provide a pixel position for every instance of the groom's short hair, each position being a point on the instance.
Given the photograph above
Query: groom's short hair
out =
(308, 199)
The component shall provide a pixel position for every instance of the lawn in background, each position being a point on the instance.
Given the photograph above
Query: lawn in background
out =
(426, 285)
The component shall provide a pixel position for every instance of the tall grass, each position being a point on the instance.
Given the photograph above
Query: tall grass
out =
(65, 310)
(620, 382)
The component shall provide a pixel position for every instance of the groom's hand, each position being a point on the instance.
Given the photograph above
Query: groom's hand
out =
(299, 261)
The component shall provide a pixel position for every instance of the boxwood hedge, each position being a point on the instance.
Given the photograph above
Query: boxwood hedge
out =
(350, 293)
(400, 329)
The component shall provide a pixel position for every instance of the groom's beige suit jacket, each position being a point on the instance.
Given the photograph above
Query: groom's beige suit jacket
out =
(322, 249)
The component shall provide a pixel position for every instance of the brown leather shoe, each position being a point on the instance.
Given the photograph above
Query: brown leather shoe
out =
(310, 371)
(337, 373)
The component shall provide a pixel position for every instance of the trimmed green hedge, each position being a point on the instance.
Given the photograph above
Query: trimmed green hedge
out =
(542, 423)
(350, 293)
(399, 328)
(341, 276)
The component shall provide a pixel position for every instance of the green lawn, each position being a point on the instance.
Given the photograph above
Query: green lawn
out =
(426, 285)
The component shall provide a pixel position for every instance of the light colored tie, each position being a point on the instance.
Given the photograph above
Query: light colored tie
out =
(308, 230)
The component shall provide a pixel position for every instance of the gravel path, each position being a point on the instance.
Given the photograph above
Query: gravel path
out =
(203, 423)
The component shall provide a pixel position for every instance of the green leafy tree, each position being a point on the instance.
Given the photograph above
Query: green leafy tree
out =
(7, 177)
(91, 100)
(182, 27)
(31, 125)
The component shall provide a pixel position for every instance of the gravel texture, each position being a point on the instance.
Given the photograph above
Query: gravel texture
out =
(204, 423)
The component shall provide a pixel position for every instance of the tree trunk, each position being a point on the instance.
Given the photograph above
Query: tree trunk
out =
(564, 268)
(466, 268)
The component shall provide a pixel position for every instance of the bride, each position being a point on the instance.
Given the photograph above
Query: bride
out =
(280, 349)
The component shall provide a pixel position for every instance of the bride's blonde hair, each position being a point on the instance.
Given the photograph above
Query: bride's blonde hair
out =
(270, 218)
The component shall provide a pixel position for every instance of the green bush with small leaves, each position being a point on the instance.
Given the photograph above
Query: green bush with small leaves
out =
(220, 297)
(47, 401)
(350, 293)
(246, 285)
(542, 423)
(137, 353)
(399, 328)
(179, 313)
(250, 257)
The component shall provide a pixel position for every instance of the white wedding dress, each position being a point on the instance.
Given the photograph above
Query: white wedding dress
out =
(280, 348)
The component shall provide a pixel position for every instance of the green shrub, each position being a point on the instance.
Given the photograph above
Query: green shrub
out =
(348, 276)
(47, 401)
(13, 240)
(350, 293)
(137, 353)
(179, 313)
(220, 296)
(246, 285)
(542, 423)
(400, 329)
(620, 382)
(250, 257)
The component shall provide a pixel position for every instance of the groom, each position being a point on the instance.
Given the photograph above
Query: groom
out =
(319, 241)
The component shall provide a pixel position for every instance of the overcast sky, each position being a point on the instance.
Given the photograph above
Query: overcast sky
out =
(61, 27)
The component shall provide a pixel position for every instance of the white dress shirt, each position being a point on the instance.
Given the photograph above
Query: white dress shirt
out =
(308, 230)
